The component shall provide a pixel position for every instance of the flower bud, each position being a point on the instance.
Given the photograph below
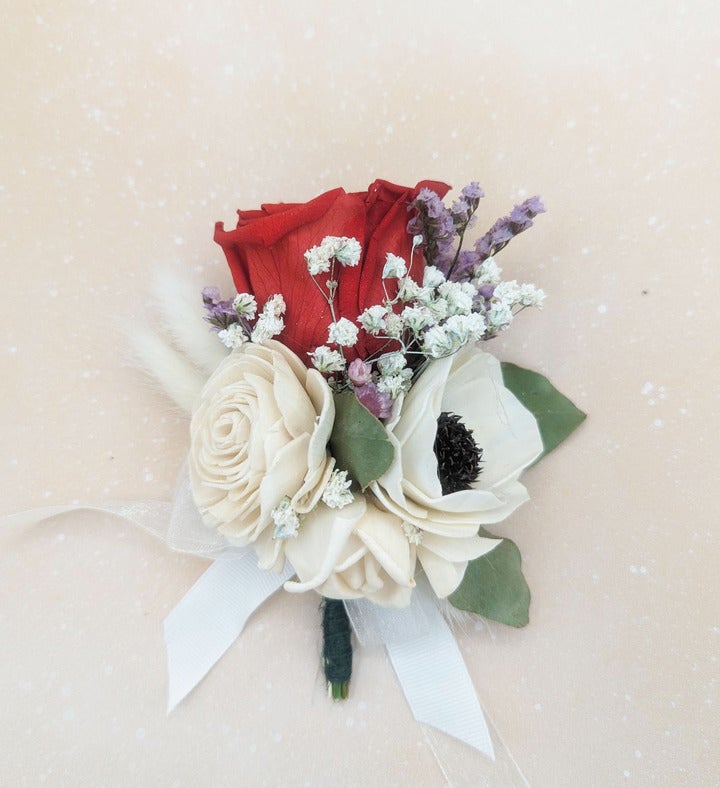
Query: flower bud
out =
(359, 372)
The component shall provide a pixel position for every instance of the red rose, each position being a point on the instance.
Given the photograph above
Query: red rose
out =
(266, 256)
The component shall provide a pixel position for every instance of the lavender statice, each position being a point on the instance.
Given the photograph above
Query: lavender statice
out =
(505, 229)
(435, 223)
(220, 314)
(441, 227)
(463, 209)
(464, 267)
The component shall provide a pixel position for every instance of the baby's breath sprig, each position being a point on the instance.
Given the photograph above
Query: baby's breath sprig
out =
(322, 259)
(437, 320)
(238, 316)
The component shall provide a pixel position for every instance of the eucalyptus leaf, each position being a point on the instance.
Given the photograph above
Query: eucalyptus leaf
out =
(494, 586)
(556, 415)
(359, 442)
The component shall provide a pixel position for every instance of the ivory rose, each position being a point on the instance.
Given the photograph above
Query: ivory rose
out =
(356, 551)
(469, 384)
(258, 434)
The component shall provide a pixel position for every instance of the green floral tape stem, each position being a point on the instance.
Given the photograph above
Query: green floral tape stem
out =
(337, 648)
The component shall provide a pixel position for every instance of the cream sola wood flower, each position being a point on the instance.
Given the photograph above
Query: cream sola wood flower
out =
(357, 551)
(445, 527)
(259, 437)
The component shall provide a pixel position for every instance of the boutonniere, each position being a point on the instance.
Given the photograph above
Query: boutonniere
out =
(352, 436)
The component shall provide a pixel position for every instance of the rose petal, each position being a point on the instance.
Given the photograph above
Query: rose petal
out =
(382, 533)
(254, 441)
(266, 255)
(319, 543)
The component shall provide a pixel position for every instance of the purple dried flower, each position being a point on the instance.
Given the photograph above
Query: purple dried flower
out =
(519, 220)
(473, 192)
(416, 226)
(444, 228)
(210, 295)
(220, 314)
(463, 215)
(486, 291)
(434, 207)
(460, 209)
(505, 229)
(533, 206)
(483, 246)
(435, 223)
(379, 403)
(465, 266)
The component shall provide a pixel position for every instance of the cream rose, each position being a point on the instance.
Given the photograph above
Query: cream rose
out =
(356, 551)
(259, 434)
(470, 385)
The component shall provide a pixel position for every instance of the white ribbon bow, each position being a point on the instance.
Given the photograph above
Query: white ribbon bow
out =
(421, 647)
(213, 613)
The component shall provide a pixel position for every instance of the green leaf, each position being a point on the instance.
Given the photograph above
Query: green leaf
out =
(494, 586)
(359, 442)
(556, 416)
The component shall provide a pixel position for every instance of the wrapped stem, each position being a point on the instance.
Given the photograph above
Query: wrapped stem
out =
(337, 648)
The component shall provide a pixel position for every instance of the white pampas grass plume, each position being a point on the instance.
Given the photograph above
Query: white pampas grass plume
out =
(179, 351)
(179, 377)
(181, 309)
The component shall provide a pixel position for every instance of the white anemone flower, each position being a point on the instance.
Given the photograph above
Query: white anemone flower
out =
(468, 384)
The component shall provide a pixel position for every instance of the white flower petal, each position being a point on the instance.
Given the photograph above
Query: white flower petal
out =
(445, 560)
(470, 385)
(258, 434)
(382, 533)
(318, 546)
(444, 576)
(457, 550)
(501, 425)
(416, 428)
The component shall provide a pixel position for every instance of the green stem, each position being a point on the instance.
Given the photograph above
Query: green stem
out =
(457, 252)
(337, 648)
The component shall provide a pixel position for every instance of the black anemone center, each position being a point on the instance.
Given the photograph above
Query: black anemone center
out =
(458, 456)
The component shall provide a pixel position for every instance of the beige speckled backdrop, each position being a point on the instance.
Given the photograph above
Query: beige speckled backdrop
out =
(126, 131)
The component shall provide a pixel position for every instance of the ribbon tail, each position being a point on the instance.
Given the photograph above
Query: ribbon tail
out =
(150, 516)
(436, 683)
(209, 618)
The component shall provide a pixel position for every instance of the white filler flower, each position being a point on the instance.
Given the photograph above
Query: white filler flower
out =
(343, 333)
